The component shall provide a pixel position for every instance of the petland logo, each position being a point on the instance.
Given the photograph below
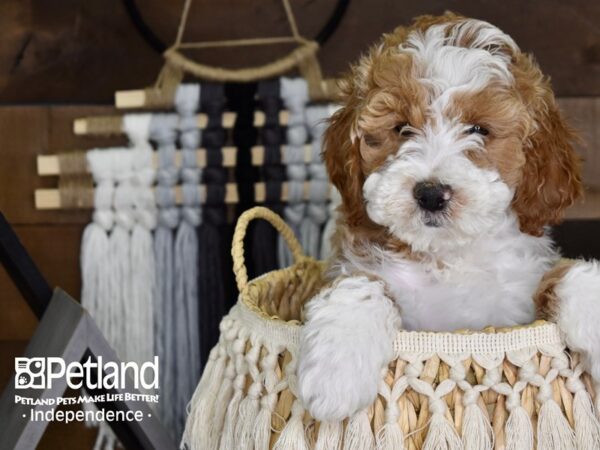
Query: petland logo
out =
(40, 373)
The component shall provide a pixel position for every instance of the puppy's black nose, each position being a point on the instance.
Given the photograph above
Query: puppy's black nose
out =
(432, 196)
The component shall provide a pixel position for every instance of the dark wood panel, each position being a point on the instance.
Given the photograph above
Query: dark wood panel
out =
(584, 115)
(28, 131)
(55, 249)
(74, 51)
(578, 238)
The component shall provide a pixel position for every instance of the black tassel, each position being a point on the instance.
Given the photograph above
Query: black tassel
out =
(212, 276)
(240, 98)
(264, 236)
(213, 305)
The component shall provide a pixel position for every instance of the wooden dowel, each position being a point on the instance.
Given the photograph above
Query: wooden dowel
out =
(48, 199)
(110, 125)
(130, 99)
(49, 165)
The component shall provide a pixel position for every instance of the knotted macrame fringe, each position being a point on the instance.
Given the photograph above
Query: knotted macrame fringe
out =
(202, 405)
(187, 337)
(390, 436)
(554, 431)
(163, 133)
(476, 429)
(141, 302)
(317, 212)
(441, 435)
(95, 245)
(294, 94)
(243, 400)
(272, 173)
(334, 203)
(359, 436)
(587, 426)
(293, 434)
(330, 436)
(213, 273)
(519, 430)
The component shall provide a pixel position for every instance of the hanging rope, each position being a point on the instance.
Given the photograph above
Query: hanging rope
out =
(139, 308)
(163, 132)
(294, 93)
(272, 172)
(213, 234)
(306, 50)
(187, 334)
(316, 214)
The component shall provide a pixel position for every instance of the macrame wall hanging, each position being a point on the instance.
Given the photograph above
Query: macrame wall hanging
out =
(294, 93)
(272, 172)
(212, 270)
(163, 131)
(155, 259)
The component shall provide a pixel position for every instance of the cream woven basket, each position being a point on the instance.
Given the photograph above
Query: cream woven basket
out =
(512, 389)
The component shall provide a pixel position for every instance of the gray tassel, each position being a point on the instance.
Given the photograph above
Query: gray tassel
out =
(186, 254)
(163, 132)
(294, 94)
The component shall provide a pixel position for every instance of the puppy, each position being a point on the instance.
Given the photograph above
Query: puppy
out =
(451, 158)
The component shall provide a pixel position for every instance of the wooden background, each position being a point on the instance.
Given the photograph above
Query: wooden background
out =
(63, 59)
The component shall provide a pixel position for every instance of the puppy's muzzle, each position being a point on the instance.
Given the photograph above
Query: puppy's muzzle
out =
(432, 196)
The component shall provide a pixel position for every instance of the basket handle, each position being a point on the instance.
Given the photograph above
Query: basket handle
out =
(237, 246)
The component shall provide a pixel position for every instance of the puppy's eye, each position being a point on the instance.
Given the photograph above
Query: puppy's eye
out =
(478, 129)
(404, 129)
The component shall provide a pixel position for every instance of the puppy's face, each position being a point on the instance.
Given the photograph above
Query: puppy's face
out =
(446, 128)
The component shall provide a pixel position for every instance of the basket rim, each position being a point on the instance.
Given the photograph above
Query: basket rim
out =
(244, 294)
(490, 340)
(537, 335)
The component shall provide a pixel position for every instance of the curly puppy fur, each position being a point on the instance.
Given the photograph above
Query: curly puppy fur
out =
(451, 158)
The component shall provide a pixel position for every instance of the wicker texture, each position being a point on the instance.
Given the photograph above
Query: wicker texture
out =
(505, 389)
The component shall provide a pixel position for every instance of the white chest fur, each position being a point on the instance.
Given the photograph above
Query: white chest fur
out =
(489, 282)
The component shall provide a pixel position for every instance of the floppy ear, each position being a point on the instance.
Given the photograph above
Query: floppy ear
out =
(343, 160)
(551, 179)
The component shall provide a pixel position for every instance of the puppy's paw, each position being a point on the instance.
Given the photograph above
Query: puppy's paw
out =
(334, 384)
(345, 344)
(579, 312)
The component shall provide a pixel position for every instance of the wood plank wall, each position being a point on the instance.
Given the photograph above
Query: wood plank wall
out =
(58, 58)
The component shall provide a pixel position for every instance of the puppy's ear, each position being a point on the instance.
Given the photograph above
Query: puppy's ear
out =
(343, 160)
(551, 179)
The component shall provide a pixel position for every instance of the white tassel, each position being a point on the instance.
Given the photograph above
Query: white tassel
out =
(330, 436)
(587, 426)
(197, 429)
(441, 435)
(293, 435)
(123, 309)
(476, 429)
(249, 407)
(244, 429)
(239, 384)
(214, 358)
(519, 431)
(328, 231)
(390, 436)
(227, 439)
(358, 434)
(262, 429)
(95, 262)
(137, 128)
(222, 402)
(553, 431)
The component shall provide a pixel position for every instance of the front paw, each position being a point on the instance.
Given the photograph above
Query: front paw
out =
(335, 383)
(579, 312)
(345, 344)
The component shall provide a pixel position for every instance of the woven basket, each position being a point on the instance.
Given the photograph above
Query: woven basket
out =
(505, 389)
